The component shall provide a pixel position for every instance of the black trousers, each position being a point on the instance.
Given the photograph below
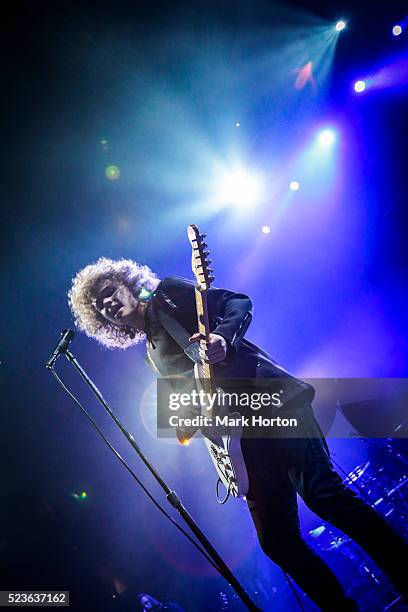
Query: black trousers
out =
(279, 468)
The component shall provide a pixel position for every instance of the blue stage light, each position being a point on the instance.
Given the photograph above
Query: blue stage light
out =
(397, 30)
(240, 188)
(327, 137)
(340, 25)
(359, 86)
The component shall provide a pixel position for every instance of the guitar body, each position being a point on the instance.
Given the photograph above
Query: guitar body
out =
(225, 451)
(228, 460)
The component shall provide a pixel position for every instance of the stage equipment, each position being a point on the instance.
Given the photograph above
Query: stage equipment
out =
(380, 417)
(147, 602)
(382, 481)
(66, 336)
(208, 550)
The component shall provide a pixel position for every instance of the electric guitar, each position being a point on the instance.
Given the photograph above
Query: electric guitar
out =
(225, 451)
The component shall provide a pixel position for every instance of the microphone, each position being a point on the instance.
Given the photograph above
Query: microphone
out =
(66, 336)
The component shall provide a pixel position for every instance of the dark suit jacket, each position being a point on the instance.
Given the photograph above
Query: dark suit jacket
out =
(230, 315)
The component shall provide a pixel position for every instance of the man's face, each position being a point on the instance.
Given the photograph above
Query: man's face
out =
(117, 304)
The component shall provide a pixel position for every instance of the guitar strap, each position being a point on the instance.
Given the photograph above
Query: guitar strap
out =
(178, 333)
(181, 336)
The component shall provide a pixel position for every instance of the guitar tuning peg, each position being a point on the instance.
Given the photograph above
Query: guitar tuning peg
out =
(204, 245)
(203, 236)
(210, 270)
(211, 278)
(208, 261)
(206, 253)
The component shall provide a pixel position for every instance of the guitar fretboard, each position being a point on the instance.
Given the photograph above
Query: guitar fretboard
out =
(206, 369)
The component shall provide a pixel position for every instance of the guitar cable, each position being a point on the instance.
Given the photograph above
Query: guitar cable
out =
(217, 494)
(132, 473)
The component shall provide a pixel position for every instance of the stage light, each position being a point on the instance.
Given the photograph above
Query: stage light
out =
(240, 188)
(327, 137)
(359, 86)
(397, 30)
(237, 124)
(112, 173)
(340, 25)
(294, 186)
(266, 229)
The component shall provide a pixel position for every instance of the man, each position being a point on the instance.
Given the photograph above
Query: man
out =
(120, 303)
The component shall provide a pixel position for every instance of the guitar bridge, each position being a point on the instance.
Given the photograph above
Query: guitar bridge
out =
(219, 456)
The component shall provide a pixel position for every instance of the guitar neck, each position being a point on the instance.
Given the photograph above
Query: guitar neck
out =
(203, 328)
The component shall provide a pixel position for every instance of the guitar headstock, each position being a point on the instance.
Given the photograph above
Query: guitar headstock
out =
(199, 258)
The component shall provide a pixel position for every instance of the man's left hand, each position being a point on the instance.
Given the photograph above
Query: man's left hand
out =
(216, 348)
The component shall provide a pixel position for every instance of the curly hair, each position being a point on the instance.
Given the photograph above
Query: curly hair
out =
(83, 290)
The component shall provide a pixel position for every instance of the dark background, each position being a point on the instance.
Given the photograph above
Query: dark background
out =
(75, 73)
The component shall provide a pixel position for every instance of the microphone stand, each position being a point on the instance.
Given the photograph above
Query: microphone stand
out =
(171, 496)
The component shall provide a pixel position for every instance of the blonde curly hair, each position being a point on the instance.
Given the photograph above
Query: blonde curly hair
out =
(83, 291)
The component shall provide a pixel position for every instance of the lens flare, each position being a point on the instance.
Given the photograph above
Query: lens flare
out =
(112, 173)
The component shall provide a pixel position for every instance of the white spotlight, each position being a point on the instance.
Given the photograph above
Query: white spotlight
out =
(397, 30)
(240, 188)
(266, 229)
(359, 86)
(237, 124)
(340, 25)
(294, 186)
(327, 137)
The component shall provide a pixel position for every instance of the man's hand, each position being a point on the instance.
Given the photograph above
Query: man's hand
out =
(216, 348)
